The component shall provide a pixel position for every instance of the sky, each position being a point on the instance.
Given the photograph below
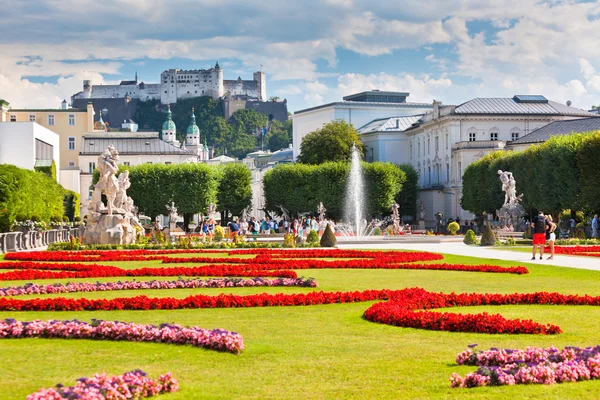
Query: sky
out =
(312, 51)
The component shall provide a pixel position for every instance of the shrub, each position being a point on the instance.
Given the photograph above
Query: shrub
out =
(453, 227)
(488, 238)
(328, 239)
(289, 240)
(470, 237)
(377, 231)
(35, 218)
(313, 238)
(65, 218)
(219, 233)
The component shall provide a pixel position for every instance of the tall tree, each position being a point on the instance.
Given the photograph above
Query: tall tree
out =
(249, 121)
(235, 190)
(333, 142)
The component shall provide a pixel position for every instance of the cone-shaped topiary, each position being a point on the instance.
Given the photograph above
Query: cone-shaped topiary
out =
(488, 238)
(470, 237)
(328, 239)
(313, 238)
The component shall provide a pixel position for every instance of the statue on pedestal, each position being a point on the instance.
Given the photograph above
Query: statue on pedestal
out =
(511, 213)
(421, 212)
(115, 222)
(321, 211)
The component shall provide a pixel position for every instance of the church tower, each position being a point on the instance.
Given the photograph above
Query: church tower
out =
(169, 129)
(192, 137)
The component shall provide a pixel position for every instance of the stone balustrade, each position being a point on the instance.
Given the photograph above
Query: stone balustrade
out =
(21, 241)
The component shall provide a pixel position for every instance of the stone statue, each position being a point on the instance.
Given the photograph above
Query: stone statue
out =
(509, 187)
(172, 212)
(421, 212)
(511, 213)
(108, 183)
(114, 223)
(212, 209)
(321, 211)
(395, 214)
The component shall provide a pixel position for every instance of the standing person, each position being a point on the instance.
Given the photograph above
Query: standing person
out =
(551, 236)
(203, 230)
(244, 227)
(233, 229)
(211, 229)
(286, 225)
(595, 226)
(295, 227)
(540, 225)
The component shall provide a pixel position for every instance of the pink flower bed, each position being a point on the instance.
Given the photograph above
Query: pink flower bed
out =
(499, 367)
(131, 385)
(71, 287)
(216, 339)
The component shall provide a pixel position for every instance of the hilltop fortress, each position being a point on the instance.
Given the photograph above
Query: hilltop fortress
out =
(178, 84)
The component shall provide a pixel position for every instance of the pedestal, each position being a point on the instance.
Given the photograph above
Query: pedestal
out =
(421, 225)
(110, 229)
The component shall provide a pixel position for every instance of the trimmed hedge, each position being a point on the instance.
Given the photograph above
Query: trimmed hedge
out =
(328, 239)
(300, 187)
(556, 175)
(25, 194)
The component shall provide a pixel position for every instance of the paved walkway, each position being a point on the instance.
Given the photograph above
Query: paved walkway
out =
(461, 249)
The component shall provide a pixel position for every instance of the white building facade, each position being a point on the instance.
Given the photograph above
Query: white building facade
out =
(446, 140)
(357, 109)
(27, 144)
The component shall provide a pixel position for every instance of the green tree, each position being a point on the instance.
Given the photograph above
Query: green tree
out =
(234, 190)
(333, 142)
(248, 121)
(408, 196)
(194, 187)
(587, 163)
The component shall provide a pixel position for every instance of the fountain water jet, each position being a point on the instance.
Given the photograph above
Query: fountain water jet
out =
(354, 226)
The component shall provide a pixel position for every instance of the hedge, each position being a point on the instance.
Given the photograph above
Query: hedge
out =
(556, 175)
(191, 186)
(300, 188)
(26, 193)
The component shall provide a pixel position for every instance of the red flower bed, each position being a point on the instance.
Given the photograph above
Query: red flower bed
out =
(589, 251)
(402, 309)
(33, 271)
(143, 255)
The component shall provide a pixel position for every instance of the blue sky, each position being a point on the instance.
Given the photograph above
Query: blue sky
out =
(313, 51)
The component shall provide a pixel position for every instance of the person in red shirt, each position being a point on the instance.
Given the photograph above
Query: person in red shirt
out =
(540, 225)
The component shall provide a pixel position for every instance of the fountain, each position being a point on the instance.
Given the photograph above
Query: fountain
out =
(354, 225)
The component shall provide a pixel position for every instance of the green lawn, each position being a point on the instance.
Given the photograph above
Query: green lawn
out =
(320, 352)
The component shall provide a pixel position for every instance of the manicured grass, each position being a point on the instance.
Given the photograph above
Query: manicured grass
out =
(317, 352)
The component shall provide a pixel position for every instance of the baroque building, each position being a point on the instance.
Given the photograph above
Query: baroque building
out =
(178, 84)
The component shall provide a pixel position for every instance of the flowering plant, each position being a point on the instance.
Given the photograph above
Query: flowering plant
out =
(589, 251)
(71, 287)
(216, 339)
(534, 365)
(133, 384)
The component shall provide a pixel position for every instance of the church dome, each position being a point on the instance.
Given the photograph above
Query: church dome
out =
(169, 125)
(193, 128)
(100, 125)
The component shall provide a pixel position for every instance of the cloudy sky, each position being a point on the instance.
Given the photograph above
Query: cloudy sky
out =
(313, 51)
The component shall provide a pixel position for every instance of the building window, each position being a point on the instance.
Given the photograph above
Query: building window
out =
(515, 135)
(71, 164)
(43, 150)
(13, 118)
(90, 192)
(447, 172)
(126, 163)
(168, 163)
(71, 119)
(149, 162)
(472, 136)
(71, 142)
(51, 119)
(494, 136)
(429, 175)
(32, 118)
(437, 143)
(428, 146)
(446, 141)
(419, 148)
(411, 150)
(91, 167)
